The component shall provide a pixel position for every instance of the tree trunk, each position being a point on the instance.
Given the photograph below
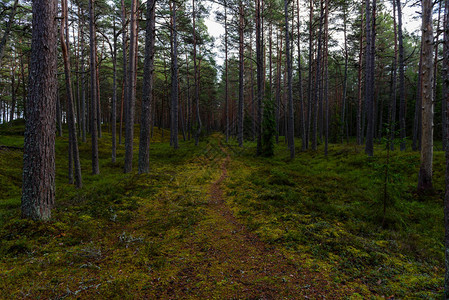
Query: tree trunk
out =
(73, 141)
(401, 79)
(309, 92)
(196, 79)
(317, 81)
(359, 94)
(83, 93)
(291, 121)
(38, 188)
(241, 105)
(114, 97)
(345, 78)
(226, 72)
(260, 76)
(147, 94)
(129, 121)
(301, 98)
(393, 83)
(417, 128)
(93, 90)
(445, 77)
(369, 76)
(326, 77)
(174, 81)
(425, 172)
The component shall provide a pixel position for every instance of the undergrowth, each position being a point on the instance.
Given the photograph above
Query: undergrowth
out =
(131, 236)
(328, 210)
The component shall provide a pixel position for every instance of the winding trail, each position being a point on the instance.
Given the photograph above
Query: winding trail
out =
(240, 265)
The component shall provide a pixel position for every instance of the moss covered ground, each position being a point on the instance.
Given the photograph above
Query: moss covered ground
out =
(214, 221)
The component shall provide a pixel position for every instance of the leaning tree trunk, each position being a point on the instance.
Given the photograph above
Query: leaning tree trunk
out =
(38, 187)
(425, 171)
(73, 144)
(147, 94)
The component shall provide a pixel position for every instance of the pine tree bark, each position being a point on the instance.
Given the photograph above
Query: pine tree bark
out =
(445, 77)
(317, 81)
(393, 83)
(369, 75)
(310, 81)
(291, 120)
(196, 79)
(401, 79)
(93, 89)
(38, 188)
(326, 77)
(73, 141)
(174, 81)
(83, 92)
(425, 172)
(417, 128)
(147, 94)
(359, 93)
(300, 91)
(260, 75)
(345, 78)
(241, 61)
(131, 99)
(114, 96)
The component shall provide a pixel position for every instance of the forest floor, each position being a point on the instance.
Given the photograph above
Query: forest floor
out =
(214, 221)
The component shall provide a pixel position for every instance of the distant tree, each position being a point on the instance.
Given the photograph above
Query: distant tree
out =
(260, 76)
(93, 89)
(240, 114)
(369, 74)
(268, 125)
(401, 78)
(73, 141)
(8, 28)
(290, 126)
(38, 189)
(174, 78)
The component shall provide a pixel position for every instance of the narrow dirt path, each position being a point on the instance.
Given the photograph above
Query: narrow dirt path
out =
(238, 265)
